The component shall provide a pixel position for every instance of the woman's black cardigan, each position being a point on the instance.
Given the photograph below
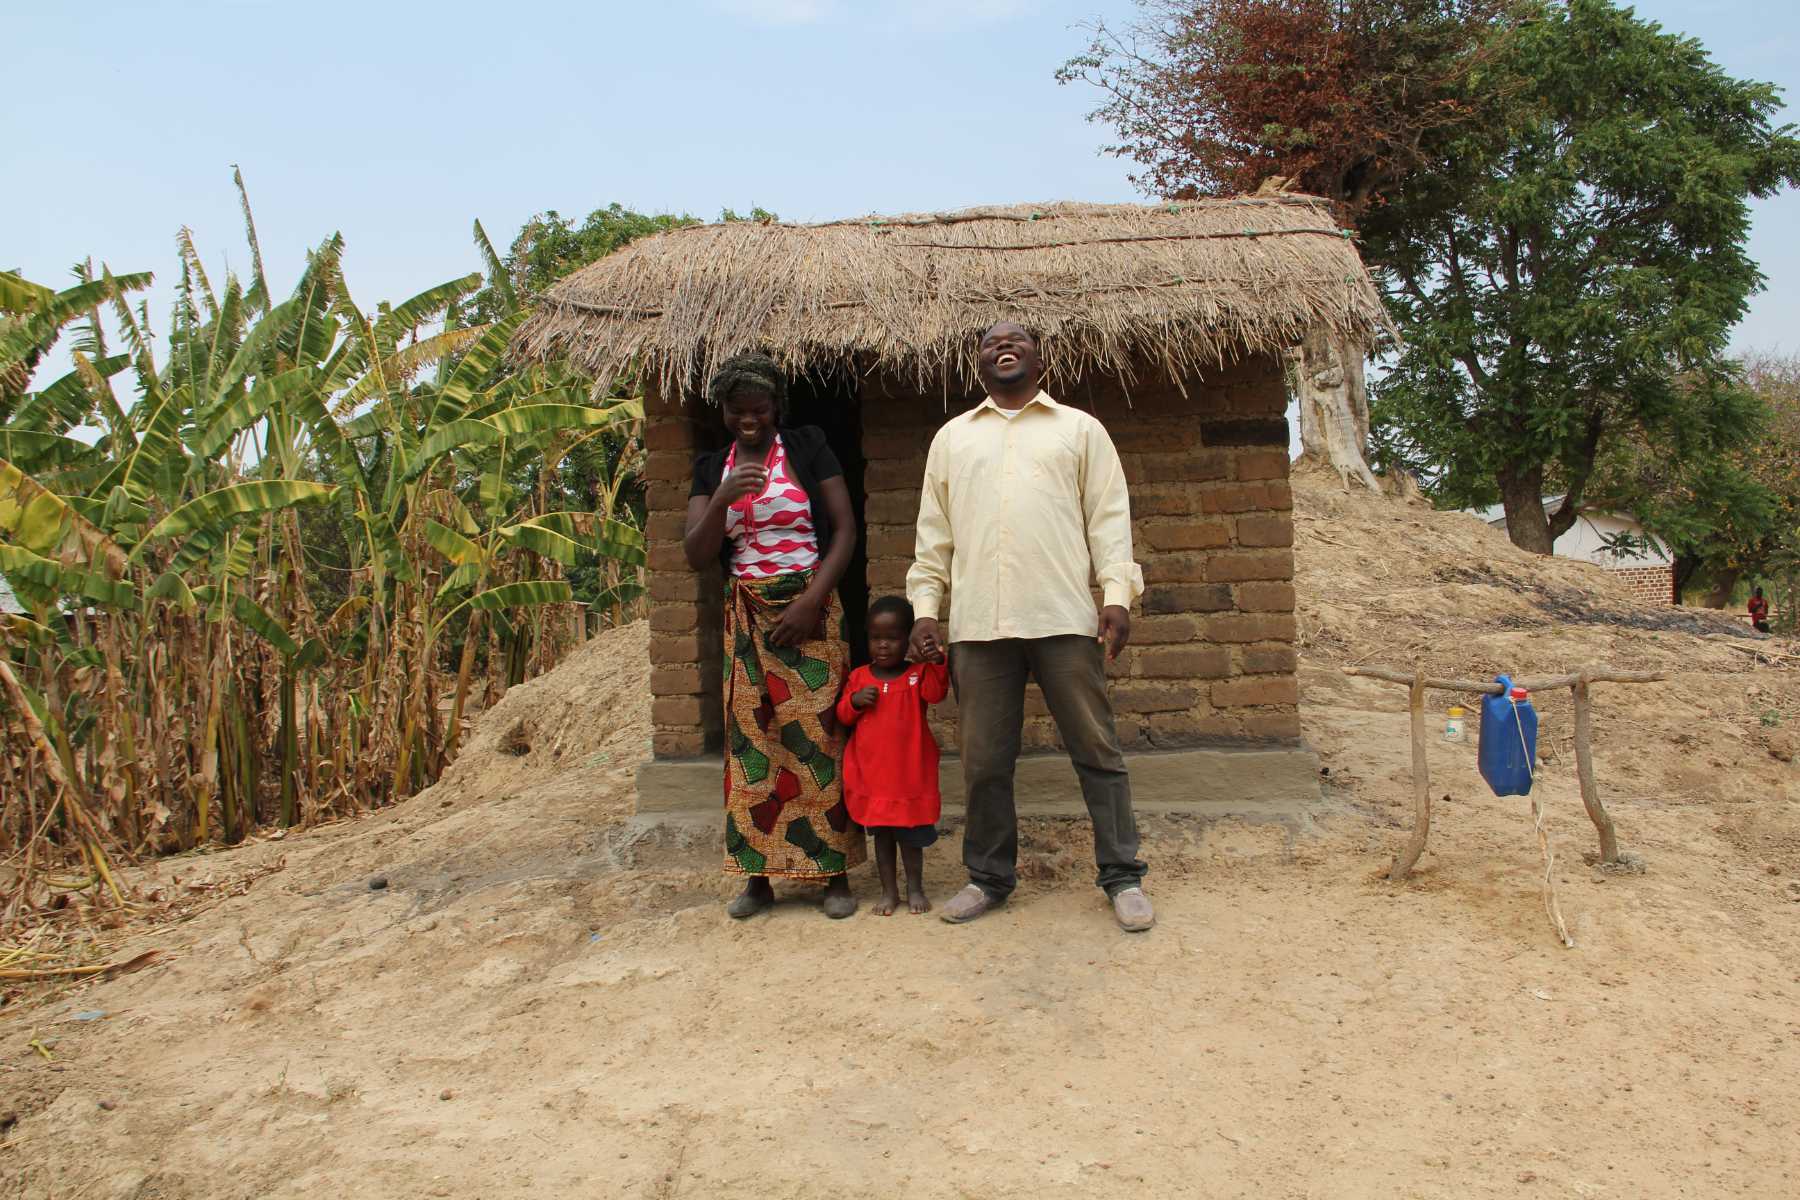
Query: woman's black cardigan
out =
(809, 460)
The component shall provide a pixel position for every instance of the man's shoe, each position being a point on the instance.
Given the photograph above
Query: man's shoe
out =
(966, 905)
(1132, 909)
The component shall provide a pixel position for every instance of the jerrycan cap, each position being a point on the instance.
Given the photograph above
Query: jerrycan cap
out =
(1519, 693)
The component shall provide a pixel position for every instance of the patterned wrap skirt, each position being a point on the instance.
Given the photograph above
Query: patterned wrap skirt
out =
(784, 793)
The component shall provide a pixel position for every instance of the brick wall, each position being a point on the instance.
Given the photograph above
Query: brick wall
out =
(1651, 585)
(686, 610)
(1212, 657)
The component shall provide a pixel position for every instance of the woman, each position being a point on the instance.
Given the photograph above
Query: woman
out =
(773, 509)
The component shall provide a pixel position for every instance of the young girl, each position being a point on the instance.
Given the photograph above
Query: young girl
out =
(891, 764)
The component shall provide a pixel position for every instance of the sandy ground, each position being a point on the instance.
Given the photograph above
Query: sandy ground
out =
(545, 998)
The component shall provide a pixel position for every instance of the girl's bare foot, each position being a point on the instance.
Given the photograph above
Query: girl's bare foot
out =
(885, 906)
(918, 902)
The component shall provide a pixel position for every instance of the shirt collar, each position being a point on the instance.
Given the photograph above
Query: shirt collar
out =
(1044, 398)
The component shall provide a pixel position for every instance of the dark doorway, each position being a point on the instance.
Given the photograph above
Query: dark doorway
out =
(831, 400)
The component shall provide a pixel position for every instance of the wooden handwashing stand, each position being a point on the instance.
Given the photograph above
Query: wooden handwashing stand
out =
(1580, 682)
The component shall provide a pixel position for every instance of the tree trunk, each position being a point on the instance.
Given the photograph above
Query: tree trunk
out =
(1334, 405)
(1522, 496)
(1726, 584)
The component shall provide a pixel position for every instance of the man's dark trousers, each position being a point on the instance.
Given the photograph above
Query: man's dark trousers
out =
(990, 688)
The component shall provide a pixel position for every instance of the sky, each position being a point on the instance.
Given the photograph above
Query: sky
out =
(398, 124)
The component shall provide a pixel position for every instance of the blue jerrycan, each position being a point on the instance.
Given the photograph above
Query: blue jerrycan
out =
(1508, 739)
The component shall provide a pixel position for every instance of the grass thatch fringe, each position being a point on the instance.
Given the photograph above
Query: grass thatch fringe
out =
(1186, 287)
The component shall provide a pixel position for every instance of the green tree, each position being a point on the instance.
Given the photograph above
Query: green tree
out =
(1346, 99)
(1580, 286)
(550, 246)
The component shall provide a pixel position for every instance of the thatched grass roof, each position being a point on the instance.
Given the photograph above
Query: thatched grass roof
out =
(1109, 286)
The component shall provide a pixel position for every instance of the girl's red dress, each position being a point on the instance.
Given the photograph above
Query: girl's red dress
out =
(891, 764)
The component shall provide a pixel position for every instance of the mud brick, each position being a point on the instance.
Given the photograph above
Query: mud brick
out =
(1272, 725)
(674, 618)
(1234, 566)
(1165, 500)
(664, 465)
(1265, 531)
(1269, 660)
(1265, 596)
(903, 474)
(1190, 466)
(675, 586)
(1247, 431)
(1253, 690)
(1261, 464)
(1184, 662)
(1165, 598)
(670, 433)
(1144, 697)
(668, 495)
(1132, 733)
(678, 743)
(1173, 730)
(676, 710)
(1040, 735)
(892, 508)
(888, 575)
(1162, 630)
(1278, 495)
(891, 541)
(900, 444)
(676, 649)
(1175, 568)
(666, 526)
(669, 556)
(1187, 535)
(676, 681)
(1151, 437)
(1251, 627)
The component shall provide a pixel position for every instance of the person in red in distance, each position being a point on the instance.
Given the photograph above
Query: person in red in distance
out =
(891, 763)
(1759, 611)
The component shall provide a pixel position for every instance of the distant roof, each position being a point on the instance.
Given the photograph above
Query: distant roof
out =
(1183, 285)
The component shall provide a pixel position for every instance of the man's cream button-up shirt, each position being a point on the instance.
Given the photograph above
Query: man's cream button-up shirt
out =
(1022, 513)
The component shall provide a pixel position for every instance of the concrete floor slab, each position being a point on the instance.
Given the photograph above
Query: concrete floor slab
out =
(1262, 783)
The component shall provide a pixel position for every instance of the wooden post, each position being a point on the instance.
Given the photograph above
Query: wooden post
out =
(1584, 767)
(1421, 777)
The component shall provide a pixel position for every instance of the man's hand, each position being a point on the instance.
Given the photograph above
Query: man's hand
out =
(799, 623)
(1115, 629)
(863, 699)
(746, 480)
(926, 644)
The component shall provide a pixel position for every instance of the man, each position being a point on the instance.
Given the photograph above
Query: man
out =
(1024, 505)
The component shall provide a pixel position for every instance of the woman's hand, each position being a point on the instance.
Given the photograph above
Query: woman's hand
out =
(746, 480)
(863, 699)
(799, 623)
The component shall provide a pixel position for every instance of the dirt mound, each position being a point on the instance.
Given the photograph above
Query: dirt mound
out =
(557, 722)
(508, 986)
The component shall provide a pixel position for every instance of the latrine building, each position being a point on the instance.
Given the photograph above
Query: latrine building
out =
(1168, 322)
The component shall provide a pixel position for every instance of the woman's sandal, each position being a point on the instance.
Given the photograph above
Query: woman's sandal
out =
(840, 904)
(751, 901)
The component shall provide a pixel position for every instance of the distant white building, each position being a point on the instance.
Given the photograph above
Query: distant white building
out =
(9, 603)
(1648, 570)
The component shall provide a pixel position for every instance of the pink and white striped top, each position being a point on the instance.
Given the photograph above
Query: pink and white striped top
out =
(771, 534)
